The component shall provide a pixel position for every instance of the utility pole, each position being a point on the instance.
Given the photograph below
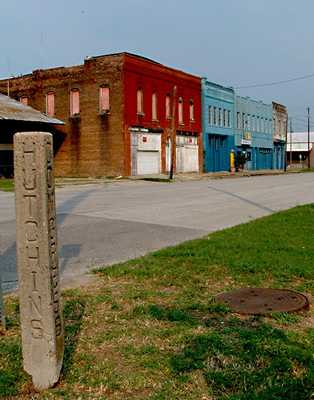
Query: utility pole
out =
(291, 130)
(286, 147)
(308, 139)
(173, 130)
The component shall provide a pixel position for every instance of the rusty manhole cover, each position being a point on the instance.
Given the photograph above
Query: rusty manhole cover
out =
(263, 301)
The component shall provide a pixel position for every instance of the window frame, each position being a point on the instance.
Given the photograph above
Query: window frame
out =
(180, 111)
(24, 100)
(72, 103)
(168, 111)
(154, 106)
(192, 110)
(104, 100)
(53, 94)
(140, 101)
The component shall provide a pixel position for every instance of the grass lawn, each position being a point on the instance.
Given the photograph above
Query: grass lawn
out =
(149, 328)
(7, 185)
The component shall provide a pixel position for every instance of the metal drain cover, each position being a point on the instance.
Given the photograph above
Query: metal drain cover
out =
(263, 301)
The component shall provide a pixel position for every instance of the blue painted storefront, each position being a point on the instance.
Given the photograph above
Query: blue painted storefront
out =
(218, 125)
(253, 121)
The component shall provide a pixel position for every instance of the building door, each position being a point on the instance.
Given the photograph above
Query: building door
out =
(187, 153)
(148, 162)
(146, 153)
(217, 155)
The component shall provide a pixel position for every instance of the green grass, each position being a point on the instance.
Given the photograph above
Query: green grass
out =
(151, 329)
(307, 169)
(7, 185)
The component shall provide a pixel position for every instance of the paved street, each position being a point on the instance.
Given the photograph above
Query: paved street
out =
(107, 223)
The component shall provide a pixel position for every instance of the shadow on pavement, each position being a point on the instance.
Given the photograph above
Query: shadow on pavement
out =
(253, 203)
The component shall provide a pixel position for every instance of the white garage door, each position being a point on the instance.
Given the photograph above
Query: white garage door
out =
(148, 162)
(187, 154)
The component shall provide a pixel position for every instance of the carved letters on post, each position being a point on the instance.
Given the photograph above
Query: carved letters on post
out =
(37, 256)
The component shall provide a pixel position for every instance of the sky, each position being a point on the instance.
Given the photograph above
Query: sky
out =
(231, 42)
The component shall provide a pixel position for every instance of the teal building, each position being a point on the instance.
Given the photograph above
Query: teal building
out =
(253, 122)
(217, 125)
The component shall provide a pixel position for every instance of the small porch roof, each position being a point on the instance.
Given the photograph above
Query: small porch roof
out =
(12, 110)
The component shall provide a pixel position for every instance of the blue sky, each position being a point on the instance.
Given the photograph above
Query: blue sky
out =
(232, 42)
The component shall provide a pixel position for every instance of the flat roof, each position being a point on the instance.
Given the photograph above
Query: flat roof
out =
(12, 110)
(298, 141)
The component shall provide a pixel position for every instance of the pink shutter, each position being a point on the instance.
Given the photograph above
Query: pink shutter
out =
(75, 102)
(104, 101)
(50, 104)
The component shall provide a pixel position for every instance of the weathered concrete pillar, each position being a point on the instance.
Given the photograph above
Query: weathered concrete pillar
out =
(37, 258)
(2, 313)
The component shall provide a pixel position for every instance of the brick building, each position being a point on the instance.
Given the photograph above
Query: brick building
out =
(280, 127)
(117, 113)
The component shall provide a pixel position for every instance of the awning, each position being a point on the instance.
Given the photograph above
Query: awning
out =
(12, 110)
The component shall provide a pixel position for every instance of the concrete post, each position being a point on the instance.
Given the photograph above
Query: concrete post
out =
(37, 258)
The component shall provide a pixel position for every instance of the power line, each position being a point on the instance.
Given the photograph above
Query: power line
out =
(276, 82)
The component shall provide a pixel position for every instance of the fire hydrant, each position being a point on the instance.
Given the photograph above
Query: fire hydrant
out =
(232, 162)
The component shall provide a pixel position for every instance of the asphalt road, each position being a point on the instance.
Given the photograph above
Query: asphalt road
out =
(106, 223)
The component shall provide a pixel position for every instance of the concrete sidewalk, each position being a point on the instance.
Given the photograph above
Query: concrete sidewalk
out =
(180, 177)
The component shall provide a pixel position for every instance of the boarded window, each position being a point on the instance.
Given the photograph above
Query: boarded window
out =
(75, 102)
(140, 99)
(191, 110)
(180, 110)
(154, 107)
(104, 99)
(24, 100)
(168, 106)
(50, 104)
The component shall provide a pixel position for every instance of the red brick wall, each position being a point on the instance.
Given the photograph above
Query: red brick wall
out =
(92, 145)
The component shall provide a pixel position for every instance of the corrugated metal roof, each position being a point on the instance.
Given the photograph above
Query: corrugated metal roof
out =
(12, 110)
(298, 141)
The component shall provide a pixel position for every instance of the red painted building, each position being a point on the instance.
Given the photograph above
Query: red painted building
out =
(149, 90)
(117, 110)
